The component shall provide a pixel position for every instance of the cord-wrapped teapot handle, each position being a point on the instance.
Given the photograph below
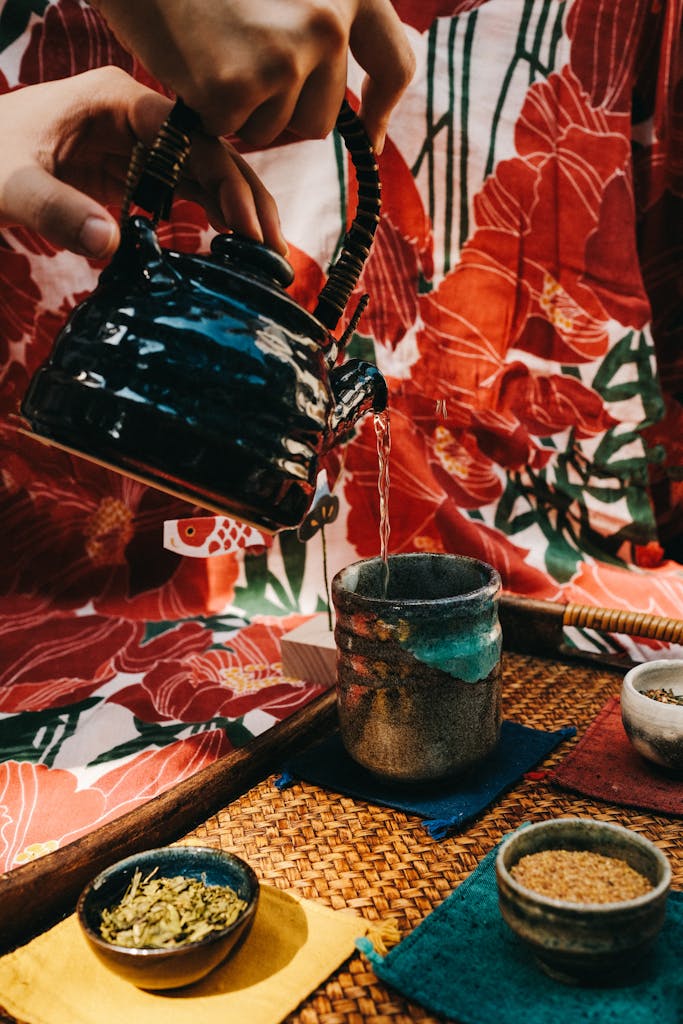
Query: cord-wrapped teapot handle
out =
(153, 176)
(344, 273)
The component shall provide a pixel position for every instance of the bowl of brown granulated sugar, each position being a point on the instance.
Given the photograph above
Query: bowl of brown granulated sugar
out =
(587, 897)
(652, 712)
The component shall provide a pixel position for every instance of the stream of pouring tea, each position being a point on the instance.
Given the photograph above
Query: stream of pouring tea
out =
(383, 433)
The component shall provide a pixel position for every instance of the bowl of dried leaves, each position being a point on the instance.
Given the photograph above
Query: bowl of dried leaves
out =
(652, 711)
(165, 918)
(587, 897)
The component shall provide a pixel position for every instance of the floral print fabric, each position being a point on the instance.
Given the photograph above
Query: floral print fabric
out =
(524, 311)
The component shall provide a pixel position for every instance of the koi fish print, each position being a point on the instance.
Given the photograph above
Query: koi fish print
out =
(205, 536)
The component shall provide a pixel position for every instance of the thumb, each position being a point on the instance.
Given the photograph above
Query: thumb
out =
(67, 218)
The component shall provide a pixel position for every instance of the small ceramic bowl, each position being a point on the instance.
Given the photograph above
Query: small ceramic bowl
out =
(150, 968)
(654, 728)
(584, 943)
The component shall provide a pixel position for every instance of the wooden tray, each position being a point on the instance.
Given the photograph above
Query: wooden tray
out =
(36, 895)
(380, 862)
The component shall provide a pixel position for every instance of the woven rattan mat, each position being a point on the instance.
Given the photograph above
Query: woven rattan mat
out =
(382, 863)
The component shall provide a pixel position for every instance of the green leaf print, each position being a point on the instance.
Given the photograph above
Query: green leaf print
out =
(567, 502)
(14, 19)
(156, 734)
(361, 346)
(267, 593)
(527, 503)
(635, 352)
(228, 622)
(37, 736)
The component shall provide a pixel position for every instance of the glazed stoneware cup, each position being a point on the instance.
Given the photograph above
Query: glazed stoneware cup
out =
(655, 728)
(418, 664)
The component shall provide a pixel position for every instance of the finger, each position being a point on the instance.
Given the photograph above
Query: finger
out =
(264, 204)
(231, 190)
(268, 120)
(255, 92)
(60, 213)
(195, 193)
(320, 100)
(380, 45)
(148, 111)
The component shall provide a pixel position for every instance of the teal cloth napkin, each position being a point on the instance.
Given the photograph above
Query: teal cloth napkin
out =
(463, 962)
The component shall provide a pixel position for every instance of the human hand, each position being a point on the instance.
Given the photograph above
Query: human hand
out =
(67, 150)
(257, 68)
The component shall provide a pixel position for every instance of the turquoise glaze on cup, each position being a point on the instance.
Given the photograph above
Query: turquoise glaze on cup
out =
(418, 666)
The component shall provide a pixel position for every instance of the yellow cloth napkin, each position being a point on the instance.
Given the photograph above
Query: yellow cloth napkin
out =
(294, 945)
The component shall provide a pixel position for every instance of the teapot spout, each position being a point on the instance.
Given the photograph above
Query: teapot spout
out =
(358, 388)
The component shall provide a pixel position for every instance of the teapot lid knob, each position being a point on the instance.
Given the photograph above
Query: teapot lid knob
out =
(252, 257)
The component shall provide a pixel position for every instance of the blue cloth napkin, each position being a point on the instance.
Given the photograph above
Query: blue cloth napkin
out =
(443, 807)
(463, 962)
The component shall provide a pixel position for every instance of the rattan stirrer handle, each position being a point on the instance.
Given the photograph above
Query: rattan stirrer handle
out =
(615, 620)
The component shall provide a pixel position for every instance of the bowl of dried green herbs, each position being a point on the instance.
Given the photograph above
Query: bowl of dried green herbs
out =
(652, 712)
(586, 897)
(165, 918)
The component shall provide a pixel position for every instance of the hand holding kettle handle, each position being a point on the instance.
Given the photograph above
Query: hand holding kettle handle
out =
(153, 176)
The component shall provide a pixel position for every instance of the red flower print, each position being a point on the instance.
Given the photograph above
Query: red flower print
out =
(83, 533)
(69, 39)
(390, 279)
(547, 404)
(401, 252)
(187, 229)
(72, 38)
(414, 493)
(465, 325)
(655, 590)
(64, 811)
(23, 240)
(581, 156)
(605, 45)
(522, 280)
(52, 659)
(154, 771)
(184, 640)
(308, 278)
(465, 474)
(195, 686)
(465, 537)
(425, 491)
(421, 13)
(42, 809)
(502, 438)
(649, 556)
(402, 205)
(38, 335)
(19, 296)
(40, 658)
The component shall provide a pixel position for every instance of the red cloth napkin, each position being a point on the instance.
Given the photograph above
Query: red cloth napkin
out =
(605, 765)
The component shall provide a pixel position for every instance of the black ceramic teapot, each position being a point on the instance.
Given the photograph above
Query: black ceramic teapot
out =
(200, 375)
